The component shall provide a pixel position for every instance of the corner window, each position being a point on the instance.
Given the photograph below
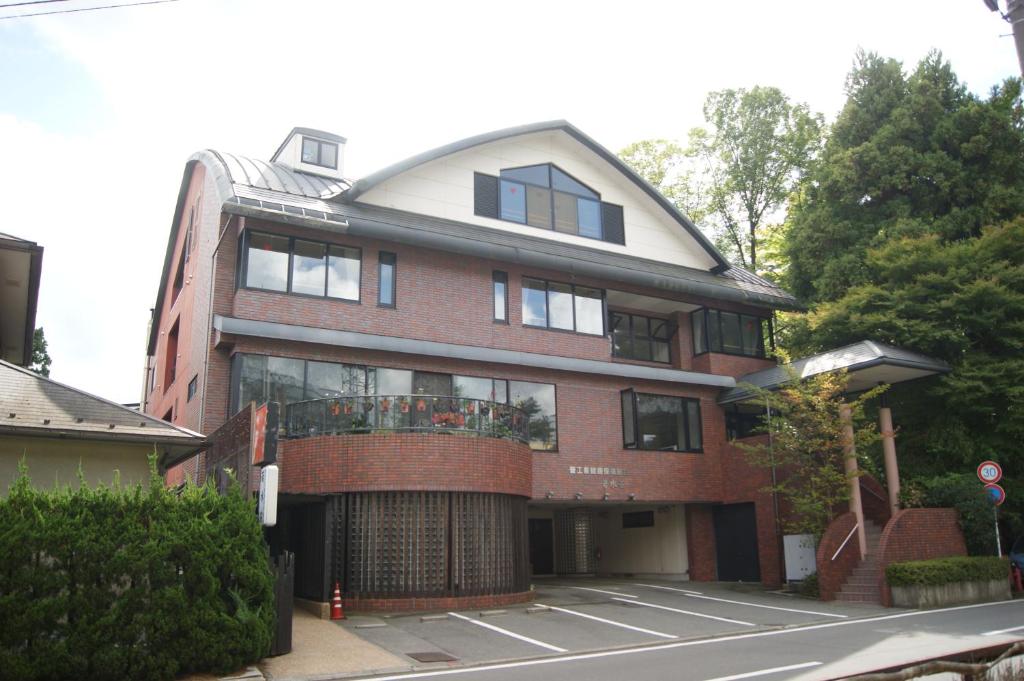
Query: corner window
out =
(319, 153)
(639, 337)
(744, 419)
(288, 265)
(386, 279)
(546, 197)
(500, 290)
(563, 306)
(661, 422)
(730, 333)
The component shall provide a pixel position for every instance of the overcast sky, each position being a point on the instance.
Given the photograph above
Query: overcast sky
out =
(99, 110)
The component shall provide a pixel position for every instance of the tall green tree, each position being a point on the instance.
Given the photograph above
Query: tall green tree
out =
(908, 155)
(40, 356)
(735, 173)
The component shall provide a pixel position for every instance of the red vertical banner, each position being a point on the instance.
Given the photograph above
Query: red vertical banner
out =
(259, 434)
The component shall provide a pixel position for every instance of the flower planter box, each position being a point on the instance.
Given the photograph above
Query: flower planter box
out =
(950, 594)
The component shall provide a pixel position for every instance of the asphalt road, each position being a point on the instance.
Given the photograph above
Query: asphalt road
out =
(823, 650)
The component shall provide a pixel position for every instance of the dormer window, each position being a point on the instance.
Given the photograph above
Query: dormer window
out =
(546, 197)
(319, 153)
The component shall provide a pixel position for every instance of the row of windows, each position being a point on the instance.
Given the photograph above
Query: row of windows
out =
(292, 265)
(544, 196)
(259, 378)
(312, 268)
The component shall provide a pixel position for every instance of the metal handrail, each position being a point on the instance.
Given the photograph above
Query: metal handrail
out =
(407, 413)
(845, 541)
(871, 491)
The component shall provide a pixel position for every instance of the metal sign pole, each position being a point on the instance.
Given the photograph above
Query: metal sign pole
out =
(995, 518)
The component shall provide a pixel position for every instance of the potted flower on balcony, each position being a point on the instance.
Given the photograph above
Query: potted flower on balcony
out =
(385, 405)
(403, 405)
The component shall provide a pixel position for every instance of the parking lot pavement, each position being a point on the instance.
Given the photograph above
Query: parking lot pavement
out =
(595, 614)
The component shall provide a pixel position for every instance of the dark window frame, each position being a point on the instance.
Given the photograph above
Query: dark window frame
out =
(192, 386)
(672, 330)
(319, 152)
(243, 267)
(741, 425)
(547, 307)
(637, 519)
(550, 189)
(637, 443)
(761, 352)
(499, 277)
(393, 258)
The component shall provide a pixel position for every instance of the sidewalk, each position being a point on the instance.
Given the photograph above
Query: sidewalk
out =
(323, 649)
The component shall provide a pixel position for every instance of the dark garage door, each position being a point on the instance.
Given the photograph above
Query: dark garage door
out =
(736, 543)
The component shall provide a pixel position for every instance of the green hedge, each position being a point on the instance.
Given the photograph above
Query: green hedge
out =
(131, 583)
(947, 571)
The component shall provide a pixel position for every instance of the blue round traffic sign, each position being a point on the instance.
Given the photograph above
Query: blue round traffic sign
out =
(996, 493)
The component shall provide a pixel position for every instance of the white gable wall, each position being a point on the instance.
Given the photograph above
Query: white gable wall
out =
(444, 188)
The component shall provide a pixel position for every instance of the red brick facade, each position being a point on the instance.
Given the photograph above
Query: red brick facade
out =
(445, 603)
(444, 297)
(332, 464)
(833, 567)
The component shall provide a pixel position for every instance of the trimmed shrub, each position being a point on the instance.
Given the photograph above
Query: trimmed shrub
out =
(131, 583)
(939, 571)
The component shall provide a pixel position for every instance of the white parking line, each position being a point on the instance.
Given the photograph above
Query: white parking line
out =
(611, 622)
(1002, 631)
(513, 634)
(764, 672)
(669, 588)
(697, 594)
(686, 612)
(602, 591)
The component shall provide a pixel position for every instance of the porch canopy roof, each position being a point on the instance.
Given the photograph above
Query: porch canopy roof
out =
(867, 363)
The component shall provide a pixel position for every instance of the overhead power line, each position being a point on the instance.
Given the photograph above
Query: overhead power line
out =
(78, 9)
(30, 2)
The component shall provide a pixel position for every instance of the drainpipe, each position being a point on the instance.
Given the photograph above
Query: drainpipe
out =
(850, 456)
(892, 471)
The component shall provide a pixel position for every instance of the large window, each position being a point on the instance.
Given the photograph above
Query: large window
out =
(661, 422)
(280, 263)
(537, 400)
(319, 153)
(563, 306)
(730, 333)
(258, 378)
(639, 337)
(546, 197)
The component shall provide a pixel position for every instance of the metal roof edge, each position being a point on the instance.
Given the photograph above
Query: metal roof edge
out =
(411, 346)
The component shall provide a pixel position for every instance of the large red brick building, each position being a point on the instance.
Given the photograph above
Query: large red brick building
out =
(499, 358)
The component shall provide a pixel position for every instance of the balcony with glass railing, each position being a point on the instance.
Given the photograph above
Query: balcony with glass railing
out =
(406, 413)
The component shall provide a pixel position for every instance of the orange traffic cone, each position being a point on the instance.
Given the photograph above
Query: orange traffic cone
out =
(336, 612)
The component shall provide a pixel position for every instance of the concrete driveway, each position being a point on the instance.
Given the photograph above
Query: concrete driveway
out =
(581, 615)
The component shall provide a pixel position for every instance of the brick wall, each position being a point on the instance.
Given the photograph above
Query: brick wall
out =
(331, 464)
(833, 573)
(874, 500)
(395, 605)
(700, 542)
(918, 534)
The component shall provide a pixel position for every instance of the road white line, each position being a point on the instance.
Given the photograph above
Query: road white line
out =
(612, 622)
(765, 672)
(694, 594)
(686, 612)
(513, 634)
(602, 591)
(669, 588)
(1002, 631)
(657, 647)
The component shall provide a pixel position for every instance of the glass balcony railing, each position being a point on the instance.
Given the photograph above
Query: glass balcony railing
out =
(406, 413)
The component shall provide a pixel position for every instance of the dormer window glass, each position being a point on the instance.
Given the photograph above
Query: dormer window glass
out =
(319, 153)
(546, 197)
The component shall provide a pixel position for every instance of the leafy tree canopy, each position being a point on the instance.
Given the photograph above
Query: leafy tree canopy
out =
(909, 155)
(40, 356)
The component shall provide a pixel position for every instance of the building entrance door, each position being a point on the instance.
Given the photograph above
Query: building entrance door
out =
(736, 543)
(541, 553)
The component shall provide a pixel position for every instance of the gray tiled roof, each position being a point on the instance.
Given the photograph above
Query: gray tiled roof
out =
(855, 357)
(31, 404)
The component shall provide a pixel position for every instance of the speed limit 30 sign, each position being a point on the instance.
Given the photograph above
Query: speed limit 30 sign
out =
(990, 472)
